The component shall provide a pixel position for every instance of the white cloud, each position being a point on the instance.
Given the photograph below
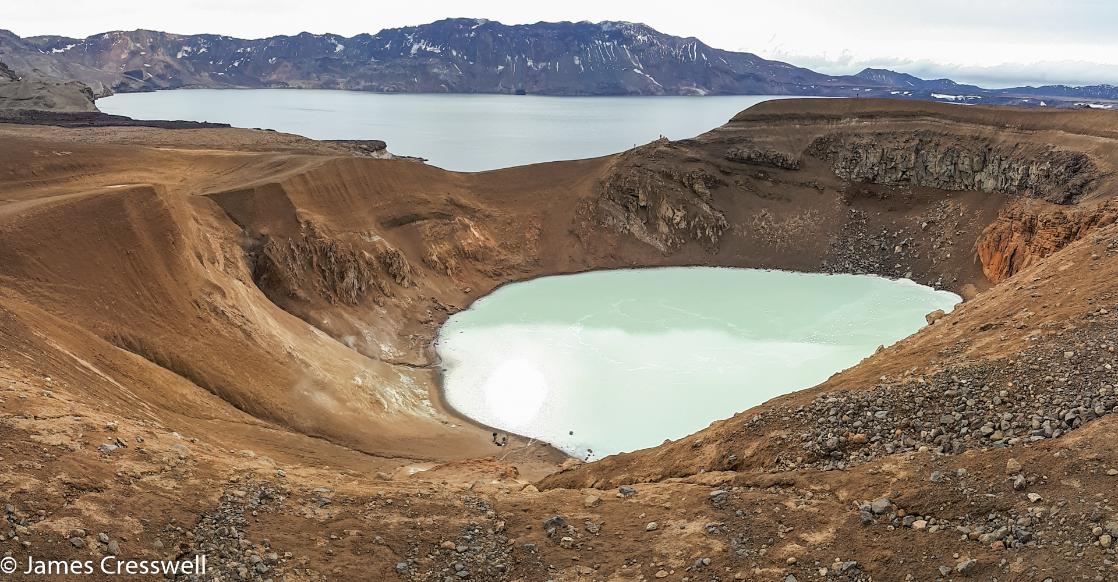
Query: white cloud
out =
(991, 76)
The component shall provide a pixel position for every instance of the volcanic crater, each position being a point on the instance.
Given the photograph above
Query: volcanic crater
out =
(220, 340)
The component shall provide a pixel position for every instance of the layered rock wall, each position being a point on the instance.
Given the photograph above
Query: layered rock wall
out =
(666, 208)
(1024, 234)
(953, 163)
(315, 265)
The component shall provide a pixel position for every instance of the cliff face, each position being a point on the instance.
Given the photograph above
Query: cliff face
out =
(951, 162)
(851, 196)
(1024, 234)
(317, 266)
(665, 208)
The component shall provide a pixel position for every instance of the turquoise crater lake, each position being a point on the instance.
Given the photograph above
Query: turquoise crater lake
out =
(466, 133)
(615, 361)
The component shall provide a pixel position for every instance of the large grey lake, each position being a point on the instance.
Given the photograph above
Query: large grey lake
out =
(616, 361)
(457, 132)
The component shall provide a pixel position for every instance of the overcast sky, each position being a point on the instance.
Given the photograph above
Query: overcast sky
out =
(989, 42)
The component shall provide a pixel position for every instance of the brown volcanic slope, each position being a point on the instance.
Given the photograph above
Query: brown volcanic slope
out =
(217, 340)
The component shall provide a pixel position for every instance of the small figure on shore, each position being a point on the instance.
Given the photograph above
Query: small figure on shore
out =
(495, 440)
(505, 441)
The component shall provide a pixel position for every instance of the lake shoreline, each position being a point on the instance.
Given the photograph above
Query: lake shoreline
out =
(463, 132)
(446, 374)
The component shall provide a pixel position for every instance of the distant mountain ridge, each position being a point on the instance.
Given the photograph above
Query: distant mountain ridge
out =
(904, 80)
(462, 55)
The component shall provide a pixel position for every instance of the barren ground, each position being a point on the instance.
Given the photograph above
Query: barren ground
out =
(218, 340)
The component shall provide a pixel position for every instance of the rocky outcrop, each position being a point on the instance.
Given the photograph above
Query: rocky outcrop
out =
(39, 93)
(77, 119)
(318, 266)
(370, 148)
(859, 187)
(951, 162)
(7, 74)
(664, 207)
(1024, 234)
(453, 245)
(750, 154)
